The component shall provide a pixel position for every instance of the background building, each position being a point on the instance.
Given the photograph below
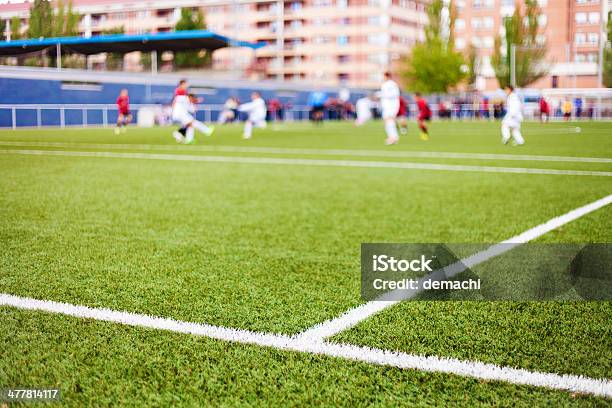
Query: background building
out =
(330, 42)
(572, 29)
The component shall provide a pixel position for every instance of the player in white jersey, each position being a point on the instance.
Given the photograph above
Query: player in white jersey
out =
(363, 107)
(256, 109)
(511, 124)
(389, 103)
(181, 106)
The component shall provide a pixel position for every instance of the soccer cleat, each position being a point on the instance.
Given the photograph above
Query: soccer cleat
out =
(178, 137)
(246, 137)
(211, 130)
(424, 137)
(117, 130)
(390, 141)
(191, 142)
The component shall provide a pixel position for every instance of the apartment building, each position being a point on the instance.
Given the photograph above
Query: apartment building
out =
(329, 42)
(574, 31)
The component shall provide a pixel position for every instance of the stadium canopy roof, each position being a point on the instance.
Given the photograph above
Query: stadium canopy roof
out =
(124, 43)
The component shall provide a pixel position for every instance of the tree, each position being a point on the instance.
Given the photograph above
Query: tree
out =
(434, 65)
(473, 66)
(2, 30)
(114, 60)
(522, 30)
(41, 19)
(59, 20)
(16, 28)
(71, 27)
(65, 21)
(607, 62)
(196, 58)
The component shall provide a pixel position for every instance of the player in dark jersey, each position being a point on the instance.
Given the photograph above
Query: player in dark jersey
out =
(423, 116)
(402, 116)
(124, 116)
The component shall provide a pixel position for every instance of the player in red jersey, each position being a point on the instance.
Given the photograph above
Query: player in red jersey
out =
(124, 116)
(424, 115)
(402, 116)
(544, 110)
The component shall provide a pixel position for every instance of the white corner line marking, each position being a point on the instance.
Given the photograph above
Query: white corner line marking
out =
(356, 315)
(310, 151)
(308, 162)
(474, 369)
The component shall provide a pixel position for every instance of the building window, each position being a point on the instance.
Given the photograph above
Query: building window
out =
(593, 38)
(542, 20)
(483, 3)
(580, 18)
(594, 18)
(459, 24)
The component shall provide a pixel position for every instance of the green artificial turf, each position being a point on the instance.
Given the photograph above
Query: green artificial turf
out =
(103, 364)
(276, 248)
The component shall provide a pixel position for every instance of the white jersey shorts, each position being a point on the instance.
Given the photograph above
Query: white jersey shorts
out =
(512, 122)
(390, 108)
(182, 117)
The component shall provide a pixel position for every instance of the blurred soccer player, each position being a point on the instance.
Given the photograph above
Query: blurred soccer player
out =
(364, 110)
(544, 110)
(423, 116)
(124, 117)
(316, 101)
(229, 112)
(511, 124)
(181, 107)
(389, 101)
(256, 109)
(193, 100)
(402, 116)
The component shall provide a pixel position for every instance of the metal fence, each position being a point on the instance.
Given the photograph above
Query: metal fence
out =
(84, 115)
(75, 115)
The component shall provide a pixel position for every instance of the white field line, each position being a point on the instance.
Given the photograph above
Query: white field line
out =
(474, 369)
(356, 315)
(309, 162)
(320, 152)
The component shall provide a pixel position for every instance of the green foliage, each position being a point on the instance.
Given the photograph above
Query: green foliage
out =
(59, 19)
(41, 20)
(434, 66)
(472, 65)
(196, 58)
(607, 62)
(114, 60)
(71, 27)
(2, 30)
(16, 28)
(522, 31)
